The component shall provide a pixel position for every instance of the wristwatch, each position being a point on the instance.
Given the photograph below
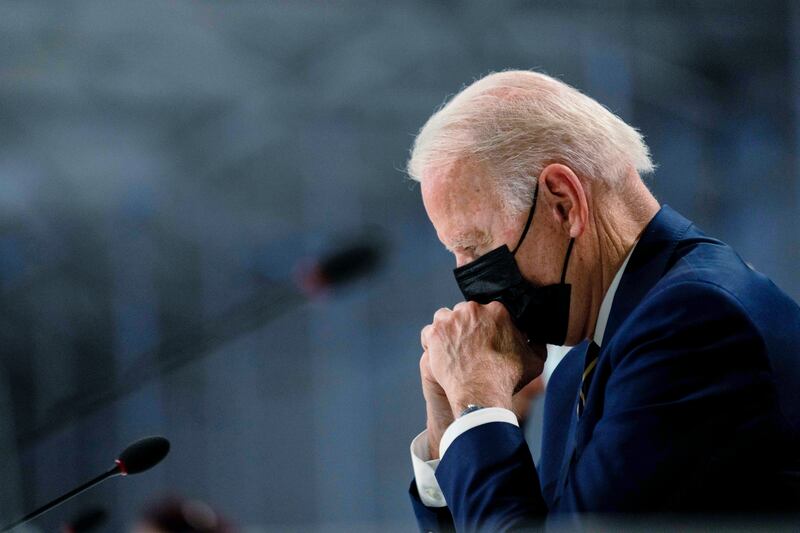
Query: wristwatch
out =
(471, 408)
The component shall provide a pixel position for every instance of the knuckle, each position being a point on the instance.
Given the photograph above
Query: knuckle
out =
(460, 306)
(424, 334)
(495, 307)
(468, 308)
(441, 314)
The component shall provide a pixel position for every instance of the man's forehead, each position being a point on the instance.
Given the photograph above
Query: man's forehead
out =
(457, 189)
(461, 205)
(462, 218)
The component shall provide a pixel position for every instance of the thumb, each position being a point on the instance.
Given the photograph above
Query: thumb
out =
(522, 400)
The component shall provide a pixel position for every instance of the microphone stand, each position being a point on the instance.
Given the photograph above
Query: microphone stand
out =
(61, 499)
(267, 302)
(187, 346)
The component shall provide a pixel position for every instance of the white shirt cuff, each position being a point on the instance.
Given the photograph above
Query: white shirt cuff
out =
(472, 420)
(425, 468)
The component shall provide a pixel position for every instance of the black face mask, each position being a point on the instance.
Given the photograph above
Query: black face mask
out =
(541, 313)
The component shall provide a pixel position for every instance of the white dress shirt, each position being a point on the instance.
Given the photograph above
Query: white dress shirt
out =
(425, 467)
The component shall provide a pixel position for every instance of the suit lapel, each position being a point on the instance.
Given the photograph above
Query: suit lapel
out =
(569, 450)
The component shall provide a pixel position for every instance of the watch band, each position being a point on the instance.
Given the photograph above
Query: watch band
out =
(471, 408)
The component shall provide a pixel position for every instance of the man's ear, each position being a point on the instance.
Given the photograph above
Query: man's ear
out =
(566, 198)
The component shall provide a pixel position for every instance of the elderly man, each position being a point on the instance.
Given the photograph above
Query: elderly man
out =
(683, 393)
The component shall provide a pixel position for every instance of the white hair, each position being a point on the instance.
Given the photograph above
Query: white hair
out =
(518, 122)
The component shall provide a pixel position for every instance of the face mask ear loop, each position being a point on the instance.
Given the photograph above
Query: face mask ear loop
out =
(566, 260)
(528, 223)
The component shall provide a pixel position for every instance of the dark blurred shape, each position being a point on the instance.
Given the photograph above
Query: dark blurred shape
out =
(89, 520)
(143, 455)
(178, 515)
(341, 266)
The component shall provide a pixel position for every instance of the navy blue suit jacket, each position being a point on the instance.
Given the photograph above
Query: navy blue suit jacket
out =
(694, 405)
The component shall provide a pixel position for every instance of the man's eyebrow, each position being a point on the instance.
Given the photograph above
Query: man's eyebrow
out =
(470, 239)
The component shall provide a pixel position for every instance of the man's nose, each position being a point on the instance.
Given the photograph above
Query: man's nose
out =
(463, 259)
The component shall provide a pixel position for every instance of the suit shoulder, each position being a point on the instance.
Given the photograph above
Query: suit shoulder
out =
(687, 302)
(711, 302)
(710, 298)
(711, 272)
(694, 332)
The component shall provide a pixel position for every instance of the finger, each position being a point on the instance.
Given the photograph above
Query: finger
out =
(496, 308)
(466, 306)
(462, 305)
(532, 389)
(424, 335)
(442, 314)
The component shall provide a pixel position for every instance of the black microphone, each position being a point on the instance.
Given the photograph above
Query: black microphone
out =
(142, 455)
(138, 457)
(341, 266)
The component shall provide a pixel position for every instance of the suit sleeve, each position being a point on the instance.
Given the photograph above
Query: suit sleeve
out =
(430, 519)
(489, 480)
(687, 366)
(426, 495)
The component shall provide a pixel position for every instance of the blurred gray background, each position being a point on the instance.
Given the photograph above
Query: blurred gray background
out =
(166, 164)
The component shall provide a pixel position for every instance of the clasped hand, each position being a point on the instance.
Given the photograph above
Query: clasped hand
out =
(473, 354)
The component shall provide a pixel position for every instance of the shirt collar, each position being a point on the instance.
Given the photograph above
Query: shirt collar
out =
(608, 300)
